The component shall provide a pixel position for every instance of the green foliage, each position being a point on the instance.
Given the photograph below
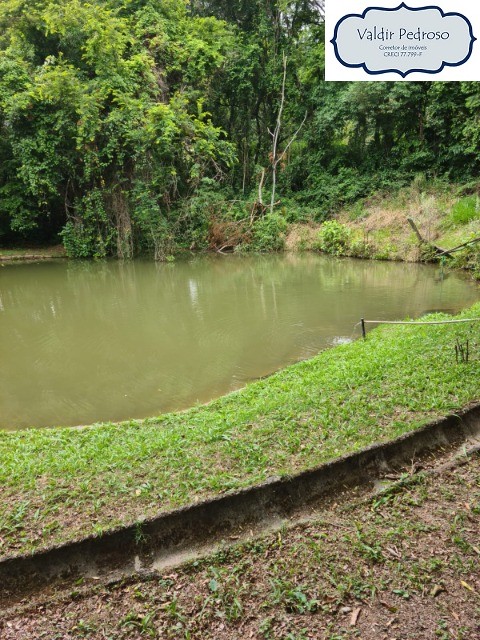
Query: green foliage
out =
(332, 191)
(292, 597)
(148, 103)
(199, 212)
(357, 211)
(334, 238)
(143, 625)
(77, 240)
(269, 233)
(465, 210)
(468, 258)
(88, 236)
(104, 121)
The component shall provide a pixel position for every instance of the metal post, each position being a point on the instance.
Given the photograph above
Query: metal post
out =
(364, 329)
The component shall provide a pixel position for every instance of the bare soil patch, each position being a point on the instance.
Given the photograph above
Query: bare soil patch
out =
(402, 565)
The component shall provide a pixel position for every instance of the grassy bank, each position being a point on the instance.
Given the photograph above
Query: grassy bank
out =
(377, 227)
(32, 253)
(401, 565)
(61, 484)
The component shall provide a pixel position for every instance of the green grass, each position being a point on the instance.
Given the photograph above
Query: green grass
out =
(62, 484)
(407, 558)
(465, 210)
(19, 252)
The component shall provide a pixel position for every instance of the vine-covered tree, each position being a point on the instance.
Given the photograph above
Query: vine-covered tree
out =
(103, 119)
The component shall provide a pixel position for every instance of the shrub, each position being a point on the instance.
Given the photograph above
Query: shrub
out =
(357, 211)
(82, 242)
(90, 234)
(334, 238)
(269, 233)
(360, 248)
(469, 259)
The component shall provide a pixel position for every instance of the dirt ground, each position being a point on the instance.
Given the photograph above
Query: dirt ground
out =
(402, 565)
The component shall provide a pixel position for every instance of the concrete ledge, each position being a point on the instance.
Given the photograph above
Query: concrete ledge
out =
(145, 545)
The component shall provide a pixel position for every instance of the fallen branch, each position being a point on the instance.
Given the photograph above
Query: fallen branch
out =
(438, 250)
(461, 246)
(223, 249)
(415, 228)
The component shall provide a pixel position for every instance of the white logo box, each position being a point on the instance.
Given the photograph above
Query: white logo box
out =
(394, 40)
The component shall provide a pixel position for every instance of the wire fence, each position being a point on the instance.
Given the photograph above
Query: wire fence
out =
(364, 323)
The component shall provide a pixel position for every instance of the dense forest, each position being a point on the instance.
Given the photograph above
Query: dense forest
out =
(144, 126)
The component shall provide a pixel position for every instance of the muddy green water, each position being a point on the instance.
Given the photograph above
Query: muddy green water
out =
(84, 342)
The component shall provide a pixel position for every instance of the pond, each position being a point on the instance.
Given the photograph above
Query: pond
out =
(88, 342)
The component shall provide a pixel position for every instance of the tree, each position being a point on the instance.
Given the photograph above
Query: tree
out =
(103, 120)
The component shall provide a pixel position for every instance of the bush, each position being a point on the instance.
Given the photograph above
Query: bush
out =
(269, 233)
(90, 235)
(81, 242)
(334, 238)
(469, 259)
(198, 213)
(357, 211)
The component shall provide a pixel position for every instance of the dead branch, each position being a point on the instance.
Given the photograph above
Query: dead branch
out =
(438, 250)
(276, 157)
(461, 246)
(276, 134)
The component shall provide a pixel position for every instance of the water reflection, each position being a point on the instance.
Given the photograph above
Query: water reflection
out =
(83, 342)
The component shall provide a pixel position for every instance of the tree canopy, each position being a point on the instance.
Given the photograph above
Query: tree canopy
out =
(133, 125)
